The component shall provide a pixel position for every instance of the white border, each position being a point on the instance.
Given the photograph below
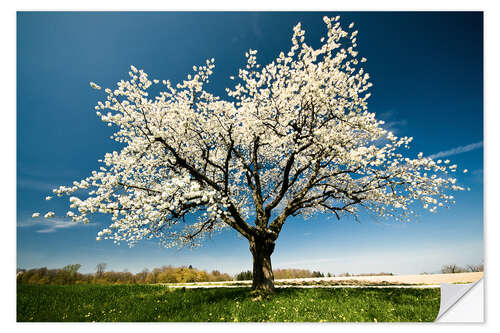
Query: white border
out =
(492, 109)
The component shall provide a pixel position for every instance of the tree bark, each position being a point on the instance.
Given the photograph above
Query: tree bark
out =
(263, 277)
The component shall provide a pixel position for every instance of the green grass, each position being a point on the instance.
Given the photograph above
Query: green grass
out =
(150, 303)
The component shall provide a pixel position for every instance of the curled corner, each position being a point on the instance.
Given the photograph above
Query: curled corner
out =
(456, 306)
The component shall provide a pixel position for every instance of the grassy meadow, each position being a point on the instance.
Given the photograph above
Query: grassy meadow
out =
(156, 303)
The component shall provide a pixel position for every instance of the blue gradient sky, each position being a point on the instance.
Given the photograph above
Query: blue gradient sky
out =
(427, 71)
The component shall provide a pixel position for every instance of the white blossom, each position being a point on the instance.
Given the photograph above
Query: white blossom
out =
(95, 86)
(49, 215)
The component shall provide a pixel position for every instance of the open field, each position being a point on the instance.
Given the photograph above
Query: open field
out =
(424, 280)
(151, 303)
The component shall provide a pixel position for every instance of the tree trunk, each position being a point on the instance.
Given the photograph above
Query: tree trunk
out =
(263, 278)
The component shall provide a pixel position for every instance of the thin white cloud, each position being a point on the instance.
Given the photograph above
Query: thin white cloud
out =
(458, 150)
(26, 183)
(393, 121)
(50, 225)
(396, 125)
(386, 115)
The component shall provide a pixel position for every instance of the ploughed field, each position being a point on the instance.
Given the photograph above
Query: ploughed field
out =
(157, 303)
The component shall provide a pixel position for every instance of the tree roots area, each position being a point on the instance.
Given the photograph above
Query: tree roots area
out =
(155, 303)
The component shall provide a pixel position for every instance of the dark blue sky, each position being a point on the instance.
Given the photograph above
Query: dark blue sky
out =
(427, 71)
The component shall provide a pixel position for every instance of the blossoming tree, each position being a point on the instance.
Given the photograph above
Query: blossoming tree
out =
(292, 138)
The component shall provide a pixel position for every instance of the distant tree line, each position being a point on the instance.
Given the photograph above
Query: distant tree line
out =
(70, 275)
(168, 274)
(285, 273)
(66, 275)
(453, 268)
(292, 273)
(243, 276)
